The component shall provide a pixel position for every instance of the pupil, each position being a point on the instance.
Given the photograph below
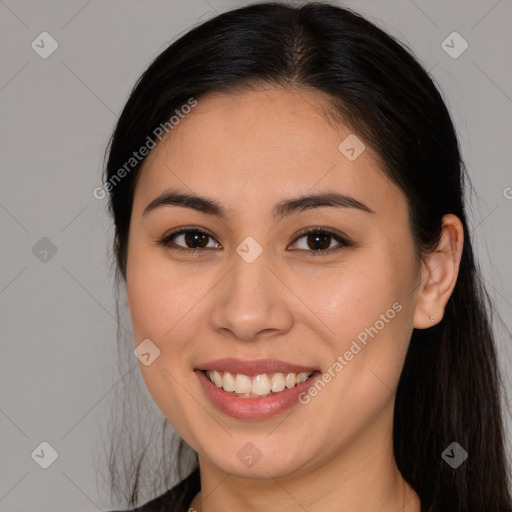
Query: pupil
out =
(320, 236)
(193, 236)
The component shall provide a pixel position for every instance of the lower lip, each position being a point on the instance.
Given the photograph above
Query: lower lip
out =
(253, 408)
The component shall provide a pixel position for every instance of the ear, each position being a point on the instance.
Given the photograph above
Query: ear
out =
(439, 273)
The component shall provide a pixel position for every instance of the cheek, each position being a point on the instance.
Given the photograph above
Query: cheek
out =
(352, 299)
(371, 326)
(158, 305)
(157, 298)
(368, 309)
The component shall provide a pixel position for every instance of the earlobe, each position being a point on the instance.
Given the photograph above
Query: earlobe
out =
(439, 272)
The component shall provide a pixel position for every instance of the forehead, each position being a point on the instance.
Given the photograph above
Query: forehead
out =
(272, 122)
(255, 144)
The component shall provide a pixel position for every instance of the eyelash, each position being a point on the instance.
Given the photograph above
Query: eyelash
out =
(343, 242)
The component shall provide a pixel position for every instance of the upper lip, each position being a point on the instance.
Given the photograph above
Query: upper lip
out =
(254, 367)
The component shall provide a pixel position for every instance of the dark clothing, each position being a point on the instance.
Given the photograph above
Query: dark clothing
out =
(176, 499)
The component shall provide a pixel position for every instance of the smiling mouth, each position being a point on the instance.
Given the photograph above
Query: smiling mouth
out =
(258, 386)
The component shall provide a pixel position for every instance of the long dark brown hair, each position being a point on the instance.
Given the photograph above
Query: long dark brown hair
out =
(449, 389)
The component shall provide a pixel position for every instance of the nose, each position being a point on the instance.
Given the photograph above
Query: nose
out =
(252, 302)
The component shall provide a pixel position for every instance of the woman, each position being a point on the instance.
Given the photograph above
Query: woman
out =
(288, 197)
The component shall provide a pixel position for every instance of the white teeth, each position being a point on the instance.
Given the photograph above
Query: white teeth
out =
(258, 386)
(243, 384)
(217, 379)
(302, 377)
(277, 382)
(228, 382)
(290, 380)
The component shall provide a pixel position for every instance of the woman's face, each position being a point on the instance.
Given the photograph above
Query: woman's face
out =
(258, 289)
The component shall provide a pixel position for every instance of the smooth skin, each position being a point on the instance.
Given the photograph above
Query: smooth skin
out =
(249, 151)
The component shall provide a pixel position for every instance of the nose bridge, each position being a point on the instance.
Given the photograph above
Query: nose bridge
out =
(251, 299)
(249, 278)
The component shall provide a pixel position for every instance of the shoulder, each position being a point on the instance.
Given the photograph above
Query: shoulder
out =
(178, 497)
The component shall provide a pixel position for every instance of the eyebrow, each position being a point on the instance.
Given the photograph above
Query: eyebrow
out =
(282, 209)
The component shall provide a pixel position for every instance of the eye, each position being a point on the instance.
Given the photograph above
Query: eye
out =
(318, 241)
(197, 238)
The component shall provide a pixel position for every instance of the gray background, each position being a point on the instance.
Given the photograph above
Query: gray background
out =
(58, 353)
